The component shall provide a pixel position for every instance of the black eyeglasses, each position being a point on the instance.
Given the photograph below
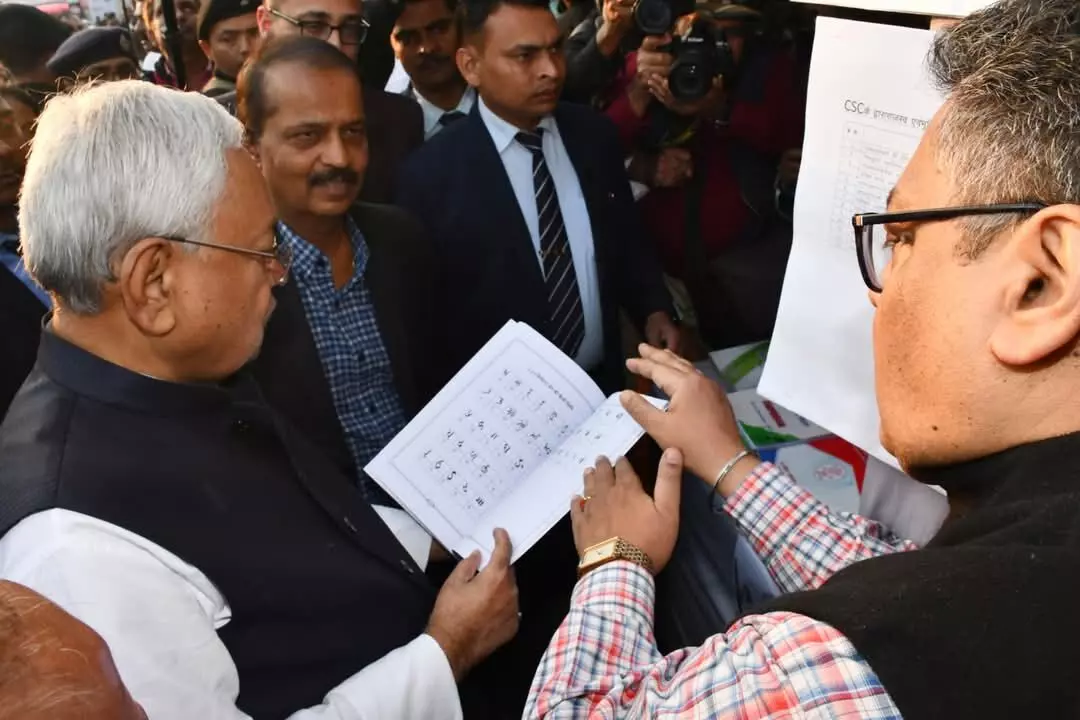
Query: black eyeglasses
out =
(281, 254)
(350, 32)
(875, 252)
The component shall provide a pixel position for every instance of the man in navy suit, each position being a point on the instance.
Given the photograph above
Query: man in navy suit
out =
(529, 206)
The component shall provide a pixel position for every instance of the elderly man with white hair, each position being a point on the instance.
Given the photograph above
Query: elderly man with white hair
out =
(147, 487)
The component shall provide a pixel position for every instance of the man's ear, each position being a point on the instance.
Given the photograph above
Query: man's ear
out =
(252, 146)
(263, 18)
(468, 62)
(147, 285)
(206, 49)
(1041, 300)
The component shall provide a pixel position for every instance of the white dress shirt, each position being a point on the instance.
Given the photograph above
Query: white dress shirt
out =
(398, 82)
(160, 617)
(433, 113)
(519, 168)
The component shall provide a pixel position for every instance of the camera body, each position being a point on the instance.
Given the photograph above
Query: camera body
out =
(701, 54)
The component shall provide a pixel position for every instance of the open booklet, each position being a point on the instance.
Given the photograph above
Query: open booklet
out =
(504, 444)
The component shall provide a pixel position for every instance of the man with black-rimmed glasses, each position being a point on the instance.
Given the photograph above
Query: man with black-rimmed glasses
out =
(974, 276)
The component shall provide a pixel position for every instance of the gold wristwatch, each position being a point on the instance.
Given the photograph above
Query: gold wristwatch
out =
(610, 550)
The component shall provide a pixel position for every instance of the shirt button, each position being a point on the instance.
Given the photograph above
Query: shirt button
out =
(242, 426)
(408, 568)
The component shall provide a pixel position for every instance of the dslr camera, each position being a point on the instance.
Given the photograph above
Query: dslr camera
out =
(700, 53)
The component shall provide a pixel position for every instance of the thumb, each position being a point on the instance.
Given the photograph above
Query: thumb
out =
(668, 489)
(465, 569)
(647, 415)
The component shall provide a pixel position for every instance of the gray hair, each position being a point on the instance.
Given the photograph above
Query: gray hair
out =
(1011, 129)
(110, 165)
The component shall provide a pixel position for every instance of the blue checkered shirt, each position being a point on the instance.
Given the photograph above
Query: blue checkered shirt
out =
(351, 350)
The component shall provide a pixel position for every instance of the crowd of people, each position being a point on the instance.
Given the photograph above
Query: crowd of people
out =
(236, 266)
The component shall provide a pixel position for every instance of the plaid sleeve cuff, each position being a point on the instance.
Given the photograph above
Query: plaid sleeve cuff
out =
(769, 507)
(801, 540)
(620, 590)
(765, 485)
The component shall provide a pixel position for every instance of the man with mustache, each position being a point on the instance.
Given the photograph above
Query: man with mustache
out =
(23, 300)
(355, 348)
(425, 38)
(346, 354)
(394, 125)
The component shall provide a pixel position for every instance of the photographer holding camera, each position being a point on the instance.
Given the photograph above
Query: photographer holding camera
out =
(710, 112)
(596, 51)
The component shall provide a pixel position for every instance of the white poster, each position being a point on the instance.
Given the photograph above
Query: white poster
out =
(868, 104)
(937, 8)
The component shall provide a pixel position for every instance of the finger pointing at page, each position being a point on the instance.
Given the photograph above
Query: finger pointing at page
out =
(699, 420)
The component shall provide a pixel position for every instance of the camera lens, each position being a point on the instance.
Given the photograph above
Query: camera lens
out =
(689, 82)
(653, 17)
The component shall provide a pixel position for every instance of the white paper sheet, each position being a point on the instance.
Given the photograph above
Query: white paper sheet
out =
(937, 8)
(504, 444)
(869, 100)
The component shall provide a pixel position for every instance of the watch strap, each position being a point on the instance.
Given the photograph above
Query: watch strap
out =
(622, 550)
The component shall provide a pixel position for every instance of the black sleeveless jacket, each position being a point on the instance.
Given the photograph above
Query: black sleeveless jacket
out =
(982, 622)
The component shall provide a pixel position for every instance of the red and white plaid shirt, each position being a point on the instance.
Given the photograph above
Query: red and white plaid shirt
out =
(603, 661)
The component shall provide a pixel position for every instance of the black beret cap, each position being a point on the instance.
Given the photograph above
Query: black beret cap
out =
(211, 12)
(89, 46)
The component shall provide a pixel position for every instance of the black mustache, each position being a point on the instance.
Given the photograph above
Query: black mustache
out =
(428, 61)
(345, 175)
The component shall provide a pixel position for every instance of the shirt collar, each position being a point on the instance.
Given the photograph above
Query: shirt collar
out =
(503, 133)
(433, 113)
(307, 258)
(89, 375)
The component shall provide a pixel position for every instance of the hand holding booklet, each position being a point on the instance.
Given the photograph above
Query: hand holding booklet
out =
(504, 444)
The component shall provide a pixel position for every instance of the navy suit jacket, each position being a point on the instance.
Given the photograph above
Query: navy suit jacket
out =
(457, 186)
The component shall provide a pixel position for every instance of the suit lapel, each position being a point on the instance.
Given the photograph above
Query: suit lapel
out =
(387, 281)
(346, 508)
(289, 349)
(497, 201)
(584, 158)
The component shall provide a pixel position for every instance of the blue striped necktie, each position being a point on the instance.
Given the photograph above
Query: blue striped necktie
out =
(566, 316)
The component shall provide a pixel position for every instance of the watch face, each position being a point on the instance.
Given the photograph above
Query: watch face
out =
(599, 552)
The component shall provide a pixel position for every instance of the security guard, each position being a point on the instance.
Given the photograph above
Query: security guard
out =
(228, 33)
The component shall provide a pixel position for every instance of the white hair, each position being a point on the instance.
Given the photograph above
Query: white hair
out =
(110, 165)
